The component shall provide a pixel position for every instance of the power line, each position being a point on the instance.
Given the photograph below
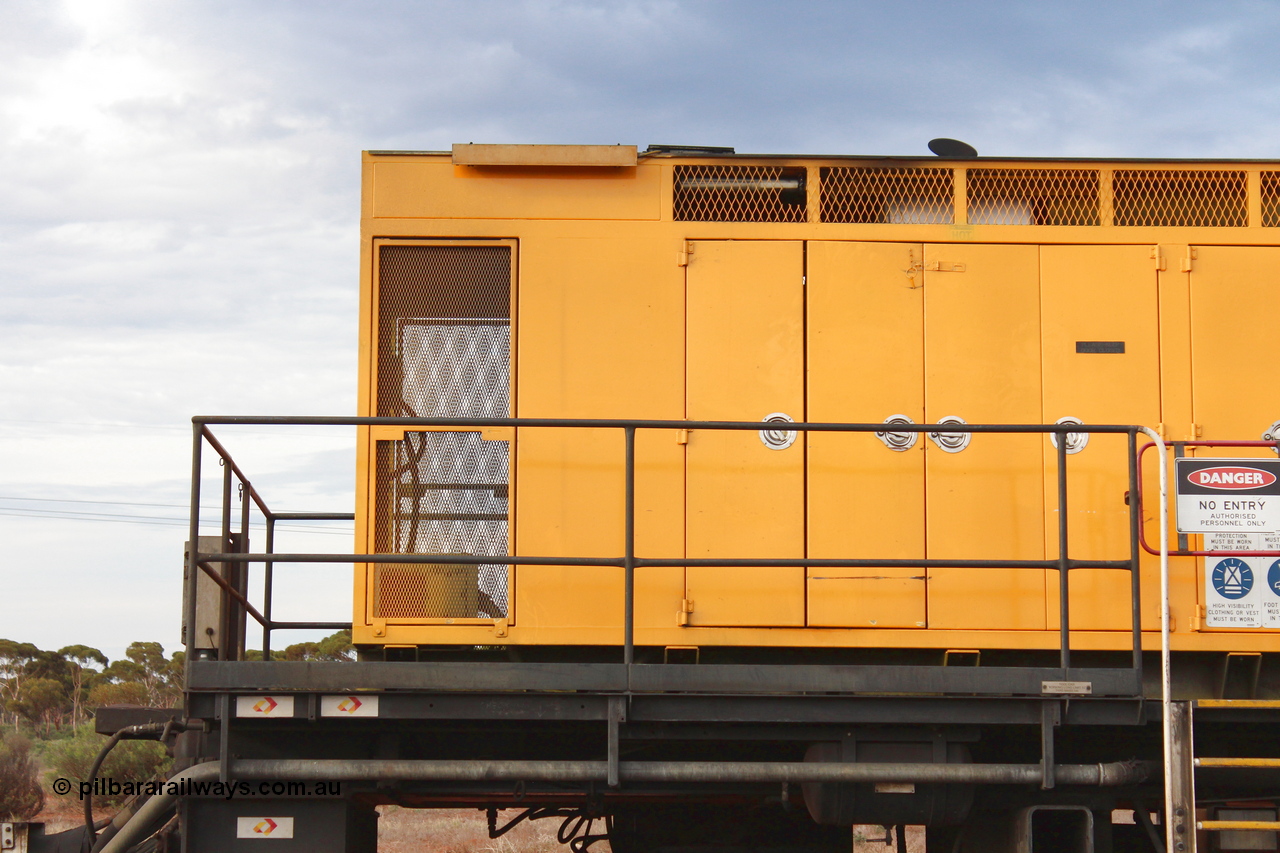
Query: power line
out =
(110, 503)
(291, 430)
(163, 521)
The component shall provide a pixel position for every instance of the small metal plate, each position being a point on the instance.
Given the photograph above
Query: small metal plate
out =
(1067, 688)
(1101, 347)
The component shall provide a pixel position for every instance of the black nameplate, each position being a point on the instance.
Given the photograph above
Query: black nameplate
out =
(1100, 346)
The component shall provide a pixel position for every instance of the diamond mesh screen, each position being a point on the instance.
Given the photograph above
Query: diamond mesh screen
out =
(899, 196)
(442, 493)
(739, 194)
(1184, 197)
(1033, 196)
(444, 350)
(1271, 199)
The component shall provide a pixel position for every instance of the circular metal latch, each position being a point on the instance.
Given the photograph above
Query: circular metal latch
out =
(898, 441)
(951, 442)
(1273, 434)
(778, 439)
(1076, 441)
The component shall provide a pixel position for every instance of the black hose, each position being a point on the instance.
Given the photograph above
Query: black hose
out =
(145, 731)
(90, 833)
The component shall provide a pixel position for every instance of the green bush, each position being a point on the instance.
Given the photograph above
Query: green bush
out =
(131, 761)
(21, 797)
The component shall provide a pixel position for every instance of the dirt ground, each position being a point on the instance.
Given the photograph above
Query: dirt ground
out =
(464, 831)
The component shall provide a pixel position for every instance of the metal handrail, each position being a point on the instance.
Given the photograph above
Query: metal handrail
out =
(629, 561)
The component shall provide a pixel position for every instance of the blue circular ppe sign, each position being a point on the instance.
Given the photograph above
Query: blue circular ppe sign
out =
(1233, 578)
(1273, 577)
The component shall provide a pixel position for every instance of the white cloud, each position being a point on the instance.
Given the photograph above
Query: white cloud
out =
(179, 191)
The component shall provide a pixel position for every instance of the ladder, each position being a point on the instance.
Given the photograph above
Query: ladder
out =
(1182, 810)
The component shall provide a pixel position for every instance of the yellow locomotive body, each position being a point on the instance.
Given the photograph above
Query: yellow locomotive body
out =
(592, 282)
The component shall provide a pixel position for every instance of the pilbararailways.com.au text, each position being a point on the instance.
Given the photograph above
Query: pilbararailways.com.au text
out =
(197, 788)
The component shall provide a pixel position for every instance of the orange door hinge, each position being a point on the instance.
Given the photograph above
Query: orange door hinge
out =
(682, 617)
(682, 257)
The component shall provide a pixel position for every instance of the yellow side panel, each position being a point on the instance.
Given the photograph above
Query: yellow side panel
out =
(435, 189)
(600, 335)
(865, 322)
(1097, 294)
(1235, 314)
(982, 363)
(745, 361)
(1234, 319)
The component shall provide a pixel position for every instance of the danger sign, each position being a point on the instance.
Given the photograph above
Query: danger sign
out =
(1228, 495)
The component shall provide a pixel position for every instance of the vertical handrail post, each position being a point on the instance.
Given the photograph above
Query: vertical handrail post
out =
(1166, 662)
(226, 621)
(243, 574)
(193, 534)
(1135, 563)
(629, 606)
(1064, 602)
(267, 571)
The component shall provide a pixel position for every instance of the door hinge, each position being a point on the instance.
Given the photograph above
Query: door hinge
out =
(1197, 618)
(686, 607)
(682, 436)
(1191, 256)
(1157, 255)
(500, 627)
(944, 266)
(1197, 431)
(682, 257)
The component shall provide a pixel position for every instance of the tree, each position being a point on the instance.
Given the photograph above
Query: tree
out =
(335, 647)
(122, 693)
(40, 700)
(21, 796)
(145, 664)
(80, 657)
(14, 657)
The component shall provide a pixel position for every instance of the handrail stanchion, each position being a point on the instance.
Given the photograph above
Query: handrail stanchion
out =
(267, 571)
(243, 575)
(224, 652)
(1166, 675)
(193, 546)
(1064, 587)
(629, 606)
(1135, 552)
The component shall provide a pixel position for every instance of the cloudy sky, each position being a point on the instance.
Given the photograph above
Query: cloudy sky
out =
(179, 205)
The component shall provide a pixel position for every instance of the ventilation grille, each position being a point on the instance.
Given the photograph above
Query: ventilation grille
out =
(1166, 197)
(740, 194)
(1033, 196)
(442, 493)
(444, 350)
(900, 196)
(1270, 199)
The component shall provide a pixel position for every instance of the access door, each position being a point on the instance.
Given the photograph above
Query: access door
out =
(1233, 332)
(865, 324)
(984, 496)
(1100, 358)
(745, 489)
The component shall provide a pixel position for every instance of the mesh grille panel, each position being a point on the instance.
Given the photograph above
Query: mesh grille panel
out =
(1191, 197)
(444, 350)
(1033, 196)
(1271, 199)
(442, 493)
(739, 194)
(899, 196)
